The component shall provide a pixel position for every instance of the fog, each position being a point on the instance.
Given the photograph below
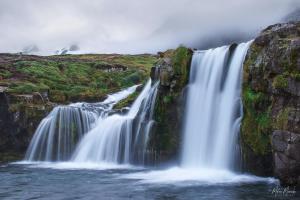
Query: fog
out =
(134, 26)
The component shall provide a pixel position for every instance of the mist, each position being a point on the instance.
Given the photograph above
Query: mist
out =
(134, 26)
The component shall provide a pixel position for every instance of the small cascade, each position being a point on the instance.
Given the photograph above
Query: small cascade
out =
(121, 138)
(213, 109)
(58, 134)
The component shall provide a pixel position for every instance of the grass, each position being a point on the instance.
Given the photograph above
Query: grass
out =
(76, 77)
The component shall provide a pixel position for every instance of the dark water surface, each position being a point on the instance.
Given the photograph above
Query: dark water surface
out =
(39, 182)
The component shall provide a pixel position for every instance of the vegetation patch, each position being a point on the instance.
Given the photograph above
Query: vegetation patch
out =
(181, 60)
(128, 101)
(257, 121)
(75, 77)
(282, 118)
(280, 82)
(167, 112)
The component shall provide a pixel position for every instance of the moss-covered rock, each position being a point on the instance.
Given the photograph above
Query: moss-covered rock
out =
(173, 70)
(271, 96)
(127, 101)
(257, 121)
(280, 82)
(19, 117)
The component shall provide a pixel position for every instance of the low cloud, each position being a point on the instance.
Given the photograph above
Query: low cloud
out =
(134, 26)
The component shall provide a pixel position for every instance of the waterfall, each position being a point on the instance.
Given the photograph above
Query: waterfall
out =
(58, 134)
(121, 138)
(213, 109)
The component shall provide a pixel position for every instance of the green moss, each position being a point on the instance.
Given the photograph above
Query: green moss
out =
(281, 120)
(295, 76)
(280, 82)
(253, 99)
(126, 102)
(257, 121)
(166, 111)
(180, 61)
(168, 99)
(262, 64)
(251, 59)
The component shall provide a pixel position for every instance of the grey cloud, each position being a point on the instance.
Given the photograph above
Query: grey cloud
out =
(134, 26)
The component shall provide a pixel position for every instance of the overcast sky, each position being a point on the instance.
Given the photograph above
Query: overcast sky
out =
(134, 26)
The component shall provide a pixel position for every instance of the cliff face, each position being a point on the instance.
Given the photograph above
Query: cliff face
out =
(19, 117)
(270, 130)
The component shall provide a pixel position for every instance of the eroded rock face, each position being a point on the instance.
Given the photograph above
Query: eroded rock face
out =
(271, 98)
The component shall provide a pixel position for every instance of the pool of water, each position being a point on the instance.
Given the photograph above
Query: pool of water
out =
(88, 181)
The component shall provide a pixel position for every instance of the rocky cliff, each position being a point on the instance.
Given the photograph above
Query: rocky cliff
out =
(270, 131)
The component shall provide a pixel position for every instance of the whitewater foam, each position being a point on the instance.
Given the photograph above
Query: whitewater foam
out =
(75, 165)
(204, 176)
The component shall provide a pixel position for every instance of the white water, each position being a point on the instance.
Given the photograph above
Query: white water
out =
(58, 134)
(212, 123)
(213, 109)
(120, 138)
(212, 120)
(181, 176)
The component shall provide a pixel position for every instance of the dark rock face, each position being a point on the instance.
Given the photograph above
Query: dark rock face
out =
(19, 117)
(172, 70)
(271, 97)
(286, 148)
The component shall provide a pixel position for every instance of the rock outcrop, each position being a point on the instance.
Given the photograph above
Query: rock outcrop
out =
(270, 130)
(172, 70)
(19, 117)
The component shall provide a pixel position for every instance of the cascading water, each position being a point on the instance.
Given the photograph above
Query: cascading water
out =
(121, 138)
(213, 109)
(58, 134)
(212, 120)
